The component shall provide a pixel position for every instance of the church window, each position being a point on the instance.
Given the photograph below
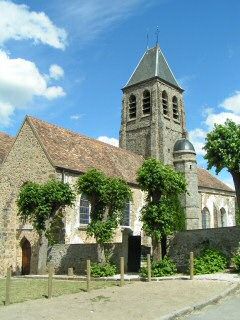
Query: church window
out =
(205, 218)
(223, 217)
(126, 215)
(132, 107)
(175, 108)
(84, 212)
(165, 103)
(146, 102)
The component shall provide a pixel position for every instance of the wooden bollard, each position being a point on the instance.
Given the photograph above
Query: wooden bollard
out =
(191, 265)
(149, 267)
(70, 272)
(8, 286)
(88, 275)
(50, 280)
(121, 271)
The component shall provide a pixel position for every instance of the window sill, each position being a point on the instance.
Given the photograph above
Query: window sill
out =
(131, 120)
(176, 121)
(83, 227)
(166, 117)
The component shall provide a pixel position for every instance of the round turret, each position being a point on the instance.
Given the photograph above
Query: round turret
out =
(183, 145)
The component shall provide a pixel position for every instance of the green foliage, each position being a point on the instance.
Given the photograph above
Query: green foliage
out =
(223, 146)
(236, 260)
(107, 196)
(163, 214)
(41, 203)
(103, 270)
(210, 261)
(162, 268)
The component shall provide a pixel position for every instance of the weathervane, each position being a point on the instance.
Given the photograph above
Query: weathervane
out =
(157, 35)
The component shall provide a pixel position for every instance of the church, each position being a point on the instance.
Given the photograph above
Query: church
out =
(153, 124)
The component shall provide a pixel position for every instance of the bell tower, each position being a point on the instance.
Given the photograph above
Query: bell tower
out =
(153, 116)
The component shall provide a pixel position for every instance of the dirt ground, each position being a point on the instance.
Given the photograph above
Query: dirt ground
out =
(139, 300)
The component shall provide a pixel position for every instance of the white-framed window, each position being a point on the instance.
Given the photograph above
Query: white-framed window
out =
(84, 210)
(126, 215)
(205, 218)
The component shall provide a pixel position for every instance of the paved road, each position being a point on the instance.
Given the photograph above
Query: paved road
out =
(228, 309)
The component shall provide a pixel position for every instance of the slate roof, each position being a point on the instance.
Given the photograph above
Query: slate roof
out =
(153, 64)
(207, 180)
(6, 142)
(73, 151)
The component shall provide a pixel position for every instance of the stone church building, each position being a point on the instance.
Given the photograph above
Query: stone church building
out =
(153, 124)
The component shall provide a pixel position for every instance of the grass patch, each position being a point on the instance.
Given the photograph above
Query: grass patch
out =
(30, 289)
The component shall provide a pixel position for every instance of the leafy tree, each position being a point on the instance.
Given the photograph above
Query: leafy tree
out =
(108, 197)
(223, 151)
(41, 205)
(163, 213)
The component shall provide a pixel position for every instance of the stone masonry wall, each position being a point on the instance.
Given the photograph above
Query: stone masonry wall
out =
(25, 162)
(224, 239)
(64, 256)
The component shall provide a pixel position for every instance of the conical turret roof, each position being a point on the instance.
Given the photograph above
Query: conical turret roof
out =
(153, 64)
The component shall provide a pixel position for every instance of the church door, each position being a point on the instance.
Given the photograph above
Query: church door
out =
(26, 256)
(134, 253)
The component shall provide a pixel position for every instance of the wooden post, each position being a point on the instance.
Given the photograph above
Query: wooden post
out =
(70, 272)
(8, 285)
(149, 267)
(122, 271)
(50, 280)
(88, 275)
(191, 265)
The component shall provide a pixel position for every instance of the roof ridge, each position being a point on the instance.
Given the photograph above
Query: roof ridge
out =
(84, 136)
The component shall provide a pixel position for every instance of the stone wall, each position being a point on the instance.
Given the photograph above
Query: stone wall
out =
(64, 256)
(224, 239)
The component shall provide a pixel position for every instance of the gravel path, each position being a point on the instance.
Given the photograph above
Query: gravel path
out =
(137, 300)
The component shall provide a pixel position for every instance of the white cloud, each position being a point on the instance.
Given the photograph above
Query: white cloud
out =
(108, 140)
(76, 116)
(220, 118)
(56, 72)
(232, 103)
(19, 23)
(20, 82)
(197, 137)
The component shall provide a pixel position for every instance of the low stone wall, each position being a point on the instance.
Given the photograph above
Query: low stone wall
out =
(224, 239)
(65, 256)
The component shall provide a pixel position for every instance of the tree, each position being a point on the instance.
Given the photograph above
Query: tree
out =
(108, 197)
(41, 205)
(163, 213)
(223, 151)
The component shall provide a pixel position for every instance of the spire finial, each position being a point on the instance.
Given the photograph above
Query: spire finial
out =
(157, 35)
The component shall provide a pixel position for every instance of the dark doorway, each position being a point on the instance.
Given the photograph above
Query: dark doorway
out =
(134, 253)
(26, 256)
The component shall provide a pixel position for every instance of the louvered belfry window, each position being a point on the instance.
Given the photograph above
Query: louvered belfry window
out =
(146, 102)
(165, 103)
(132, 106)
(175, 108)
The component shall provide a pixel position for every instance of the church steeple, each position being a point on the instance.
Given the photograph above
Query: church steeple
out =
(153, 65)
(153, 115)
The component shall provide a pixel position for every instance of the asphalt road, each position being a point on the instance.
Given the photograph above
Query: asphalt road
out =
(228, 309)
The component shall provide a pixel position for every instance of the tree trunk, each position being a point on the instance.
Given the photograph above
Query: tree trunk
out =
(101, 253)
(157, 249)
(42, 254)
(236, 180)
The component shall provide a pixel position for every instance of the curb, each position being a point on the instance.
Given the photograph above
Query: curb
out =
(187, 310)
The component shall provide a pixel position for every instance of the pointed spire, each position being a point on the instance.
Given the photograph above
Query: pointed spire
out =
(153, 64)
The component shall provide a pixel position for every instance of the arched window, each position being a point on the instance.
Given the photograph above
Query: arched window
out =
(165, 102)
(175, 108)
(126, 215)
(132, 106)
(146, 102)
(223, 217)
(84, 211)
(205, 218)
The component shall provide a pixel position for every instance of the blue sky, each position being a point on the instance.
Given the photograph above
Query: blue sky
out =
(66, 61)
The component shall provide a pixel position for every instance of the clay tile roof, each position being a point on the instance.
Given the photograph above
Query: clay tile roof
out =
(73, 151)
(6, 142)
(207, 180)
